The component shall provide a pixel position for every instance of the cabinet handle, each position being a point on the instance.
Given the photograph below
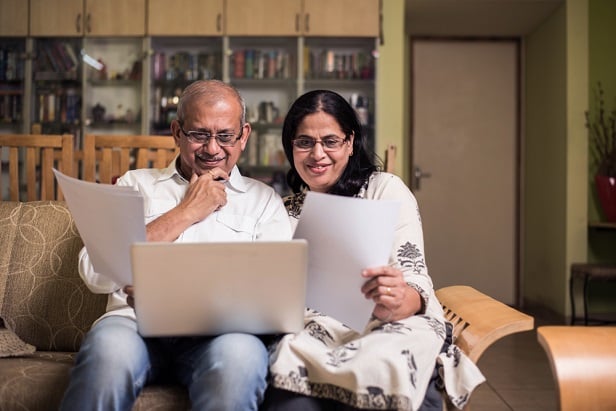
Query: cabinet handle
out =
(219, 22)
(78, 23)
(307, 23)
(88, 23)
(297, 22)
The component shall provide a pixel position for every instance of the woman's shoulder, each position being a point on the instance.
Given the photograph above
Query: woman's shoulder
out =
(380, 180)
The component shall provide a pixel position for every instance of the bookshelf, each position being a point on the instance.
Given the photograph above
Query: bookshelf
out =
(12, 69)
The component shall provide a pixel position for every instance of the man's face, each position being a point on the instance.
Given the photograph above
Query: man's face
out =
(216, 118)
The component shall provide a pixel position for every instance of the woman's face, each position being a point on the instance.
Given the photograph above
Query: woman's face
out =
(319, 166)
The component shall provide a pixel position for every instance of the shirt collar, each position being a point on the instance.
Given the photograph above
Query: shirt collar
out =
(236, 181)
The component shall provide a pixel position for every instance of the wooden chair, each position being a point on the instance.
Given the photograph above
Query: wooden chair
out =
(583, 362)
(479, 320)
(31, 158)
(106, 157)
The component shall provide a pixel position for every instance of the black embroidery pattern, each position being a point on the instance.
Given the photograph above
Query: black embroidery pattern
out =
(317, 331)
(392, 327)
(437, 326)
(374, 398)
(342, 354)
(294, 203)
(454, 351)
(409, 256)
(412, 366)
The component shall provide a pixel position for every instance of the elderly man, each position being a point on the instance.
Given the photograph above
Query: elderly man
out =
(200, 196)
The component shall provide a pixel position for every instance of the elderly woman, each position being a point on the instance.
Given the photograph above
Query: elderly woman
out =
(395, 362)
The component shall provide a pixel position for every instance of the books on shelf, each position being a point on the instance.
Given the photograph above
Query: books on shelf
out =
(56, 56)
(320, 63)
(261, 64)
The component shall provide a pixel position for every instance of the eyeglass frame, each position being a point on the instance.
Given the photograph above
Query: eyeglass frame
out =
(316, 141)
(189, 136)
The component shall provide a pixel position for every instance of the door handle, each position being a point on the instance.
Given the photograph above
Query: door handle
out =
(418, 174)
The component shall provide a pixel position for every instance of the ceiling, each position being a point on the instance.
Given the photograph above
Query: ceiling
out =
(501, 18)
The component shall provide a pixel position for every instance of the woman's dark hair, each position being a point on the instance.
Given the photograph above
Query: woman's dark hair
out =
(361, 164)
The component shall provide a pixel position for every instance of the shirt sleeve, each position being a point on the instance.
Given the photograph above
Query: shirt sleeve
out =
(97, 283)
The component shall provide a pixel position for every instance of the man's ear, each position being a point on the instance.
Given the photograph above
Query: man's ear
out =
(175, 131)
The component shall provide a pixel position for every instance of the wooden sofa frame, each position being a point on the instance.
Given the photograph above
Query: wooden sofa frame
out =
(583, 362)
(478, 322)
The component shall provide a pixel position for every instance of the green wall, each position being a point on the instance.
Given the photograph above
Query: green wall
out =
(602, 67)
(544, 153)
(392, 124)
(555, 159)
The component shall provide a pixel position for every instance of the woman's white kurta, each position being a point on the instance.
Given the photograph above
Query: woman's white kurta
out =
(389, 364)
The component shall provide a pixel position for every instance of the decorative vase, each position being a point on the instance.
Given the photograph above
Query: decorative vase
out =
(606, 189)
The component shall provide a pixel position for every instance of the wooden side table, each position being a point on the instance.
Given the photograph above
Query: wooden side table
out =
(588, 272)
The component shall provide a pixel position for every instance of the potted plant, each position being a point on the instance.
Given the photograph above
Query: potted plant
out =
(601, 125)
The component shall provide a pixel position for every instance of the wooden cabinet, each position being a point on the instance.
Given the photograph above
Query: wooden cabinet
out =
(115, 18)
(13, 18)
(264, 18)
(303, 18)
(74, 18)
(341, 18)
(185, 18)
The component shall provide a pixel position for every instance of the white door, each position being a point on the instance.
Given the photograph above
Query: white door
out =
(465, 137)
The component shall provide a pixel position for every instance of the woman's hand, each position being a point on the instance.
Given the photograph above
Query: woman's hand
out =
(393, 297)
(130, 295)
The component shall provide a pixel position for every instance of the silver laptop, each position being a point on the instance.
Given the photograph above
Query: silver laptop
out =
(213, 288)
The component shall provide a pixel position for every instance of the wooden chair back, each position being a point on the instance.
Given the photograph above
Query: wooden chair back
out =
(29, 159)
(106, 157)
(583, 362)
(479, 320)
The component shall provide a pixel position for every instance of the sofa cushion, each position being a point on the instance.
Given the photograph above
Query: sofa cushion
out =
(34, 382)
(44, 300)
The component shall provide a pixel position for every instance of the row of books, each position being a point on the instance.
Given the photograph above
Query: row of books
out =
(11, 65)
(186, 66)
(262, 64)
(56, 56)
(61, 105)
(11, 108)
(327, 63)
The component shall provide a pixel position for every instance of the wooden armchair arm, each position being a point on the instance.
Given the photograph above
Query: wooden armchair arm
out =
(479, 320)
(583, 362)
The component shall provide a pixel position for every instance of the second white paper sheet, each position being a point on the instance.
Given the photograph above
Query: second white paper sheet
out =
(345, 235)
(109, 219)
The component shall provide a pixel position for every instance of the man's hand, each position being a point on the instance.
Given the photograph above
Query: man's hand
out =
(130, 296)
(205, 194)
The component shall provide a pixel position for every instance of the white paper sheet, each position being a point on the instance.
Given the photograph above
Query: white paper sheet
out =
(345, 235)
(109, 219)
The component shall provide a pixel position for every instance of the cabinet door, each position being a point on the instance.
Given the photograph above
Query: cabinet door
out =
(56, 18)
(13, 18)
(115, 18)
(344, 18)
(263, 18)
(185, 18)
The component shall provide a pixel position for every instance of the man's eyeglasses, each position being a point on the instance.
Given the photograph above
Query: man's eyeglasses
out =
(203, 137)
(328, 143)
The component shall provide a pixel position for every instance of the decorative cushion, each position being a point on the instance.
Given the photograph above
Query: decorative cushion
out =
(44, 301)
(12, 346)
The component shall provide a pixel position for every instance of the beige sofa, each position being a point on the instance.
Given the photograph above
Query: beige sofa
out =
(47, 310)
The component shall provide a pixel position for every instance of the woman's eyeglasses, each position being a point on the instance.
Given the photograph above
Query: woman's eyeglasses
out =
(328, 143)
(203, 137)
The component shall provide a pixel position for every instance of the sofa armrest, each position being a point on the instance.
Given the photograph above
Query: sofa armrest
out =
(479, 320)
